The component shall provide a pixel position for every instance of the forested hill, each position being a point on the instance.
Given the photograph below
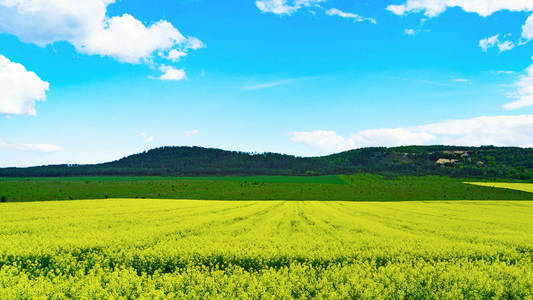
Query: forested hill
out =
(481, 162)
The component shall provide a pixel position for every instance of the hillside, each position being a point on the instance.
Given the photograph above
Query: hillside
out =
(473, 162)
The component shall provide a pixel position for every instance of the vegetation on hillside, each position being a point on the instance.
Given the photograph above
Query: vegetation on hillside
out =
(471, 162)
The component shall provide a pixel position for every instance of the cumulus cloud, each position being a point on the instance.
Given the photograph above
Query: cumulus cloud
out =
(493, 41)
(506, 46)
(85, 25)
(174, 55)
(432, 8)
(147, 138)
(323, 140)
(527, 29)
(348, 15)
(484, 8)
(409, 31)
(193, 43)
(19, 89)
(48, 21)
(30, 147)
(284, 7)
(191, 132)
(171, 74)
(128, 40)
(485, 130)
(489, 42)
(524, 92)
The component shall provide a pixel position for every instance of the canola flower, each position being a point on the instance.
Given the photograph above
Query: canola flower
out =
(140, 248)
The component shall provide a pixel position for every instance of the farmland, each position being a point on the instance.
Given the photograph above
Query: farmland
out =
(360, 187)
(274, 249)
(526, 187)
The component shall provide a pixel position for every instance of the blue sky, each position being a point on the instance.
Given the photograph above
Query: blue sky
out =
(92, 81)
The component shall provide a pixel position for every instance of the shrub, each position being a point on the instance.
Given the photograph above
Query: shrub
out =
(3, 199)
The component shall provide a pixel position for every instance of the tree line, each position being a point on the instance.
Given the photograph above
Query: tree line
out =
(472, 162)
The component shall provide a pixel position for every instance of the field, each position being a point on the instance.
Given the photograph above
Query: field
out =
(362, 187)
(128, 248)
(526, 187)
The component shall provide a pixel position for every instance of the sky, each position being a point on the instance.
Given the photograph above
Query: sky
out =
(89, 81)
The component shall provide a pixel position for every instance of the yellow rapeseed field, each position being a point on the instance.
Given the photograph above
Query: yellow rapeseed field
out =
(138, 248)
(526, 187)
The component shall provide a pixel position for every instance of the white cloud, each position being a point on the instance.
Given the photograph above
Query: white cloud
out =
(85, 24)
(493, 41)
(147, 138)
(19, 89)
(391, 137)
(128, 40)
(48, 21)
(527, 29)
(347, 15)
(284, 7)
(174, 55)
(505, 46)
(171, 74)
(323, 140)
(484, 8)
(409, 31)
(432, 8)
(193, 44)
(485, 130)
(524, 93)
(191, 132)
(30, 147)
(489, 42)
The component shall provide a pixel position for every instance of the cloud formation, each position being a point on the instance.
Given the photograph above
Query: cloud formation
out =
(506, 46)
(409, 31)
(323, 140)
(284, 7)
(524, 92)
(348, 15)
(19, 89)
(485, 8)
(171, 74)
(85, 25)
(127, 39)
(485, 130)
(527, 29)
(489, 42)
(493, 41)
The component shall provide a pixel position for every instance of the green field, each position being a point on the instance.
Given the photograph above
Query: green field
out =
(362, 187)
(266, 249)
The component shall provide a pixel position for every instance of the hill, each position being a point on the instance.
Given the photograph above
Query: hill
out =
(472, 162)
